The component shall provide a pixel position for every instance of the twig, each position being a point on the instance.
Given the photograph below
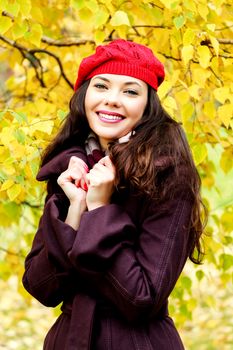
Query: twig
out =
(58, 62)
(12, 253)
(58, 43)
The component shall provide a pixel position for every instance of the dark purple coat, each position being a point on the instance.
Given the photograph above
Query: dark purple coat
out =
(114, 274)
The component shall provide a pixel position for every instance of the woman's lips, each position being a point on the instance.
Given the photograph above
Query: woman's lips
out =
(110, 117)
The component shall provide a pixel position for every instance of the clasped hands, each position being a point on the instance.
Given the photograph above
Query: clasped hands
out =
(90, 189)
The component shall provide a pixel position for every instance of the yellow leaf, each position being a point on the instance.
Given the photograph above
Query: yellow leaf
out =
(200, 76)
(182, 97)
(222, 94)
(7, 184)
(226, 160)
(209, 109)
(120, 18)
(42, 125)
(9, 169)
(190, 5)
(43, 107)
(187, 53)
(203, 11)
(122, 31)
(167, 3)
(14, 191)
(100, 18)
(5, 24)
(37, 13)
(225, 114)
(211, 26)
(188, 37)
(93, 6)
(194, 91)
(187, 111)
(86, 15)
(19, 29)
(99, 36)
(215, 44)
(199, 153)
(6, 136)
(12, 7)
(17, 150)
(170, 103)
(25, 7)
(204, 56)
(35, 34)
(77, 4)
(164, 89)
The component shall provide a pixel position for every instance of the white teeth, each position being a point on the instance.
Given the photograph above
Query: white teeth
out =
(110, 117)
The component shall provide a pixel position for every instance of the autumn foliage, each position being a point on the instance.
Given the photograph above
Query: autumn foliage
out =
(41, 45)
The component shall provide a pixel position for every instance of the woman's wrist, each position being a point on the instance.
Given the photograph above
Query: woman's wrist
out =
(93, 206)
(75, 211)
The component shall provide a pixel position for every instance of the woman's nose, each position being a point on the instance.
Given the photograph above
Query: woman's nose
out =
(112, 98)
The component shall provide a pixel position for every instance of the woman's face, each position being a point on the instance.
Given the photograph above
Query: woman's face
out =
(114, 104)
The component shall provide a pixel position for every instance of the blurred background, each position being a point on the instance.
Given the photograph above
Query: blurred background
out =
(41, 45)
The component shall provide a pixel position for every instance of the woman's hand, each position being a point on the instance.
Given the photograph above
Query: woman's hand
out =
(100, 181)
(73, 180)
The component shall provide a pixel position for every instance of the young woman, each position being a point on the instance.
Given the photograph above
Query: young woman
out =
(122, 214)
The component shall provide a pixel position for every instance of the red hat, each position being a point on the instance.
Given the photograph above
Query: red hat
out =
(125, 58)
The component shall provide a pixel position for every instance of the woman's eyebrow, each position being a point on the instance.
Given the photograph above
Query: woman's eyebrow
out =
(103, 78)
(125, 83)
(132, 83)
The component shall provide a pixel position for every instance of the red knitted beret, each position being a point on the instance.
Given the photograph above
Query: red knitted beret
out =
(124, 58)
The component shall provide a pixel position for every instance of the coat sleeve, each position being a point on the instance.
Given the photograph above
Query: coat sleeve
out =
(138, 269)
(49, 275)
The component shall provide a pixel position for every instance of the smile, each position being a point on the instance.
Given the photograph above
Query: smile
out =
(110, 117)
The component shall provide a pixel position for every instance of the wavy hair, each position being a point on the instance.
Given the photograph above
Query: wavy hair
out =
(156, 161)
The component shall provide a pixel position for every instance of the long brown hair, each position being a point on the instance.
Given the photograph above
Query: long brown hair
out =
(156, 161)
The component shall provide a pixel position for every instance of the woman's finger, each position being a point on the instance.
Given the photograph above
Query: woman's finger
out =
(106, 161)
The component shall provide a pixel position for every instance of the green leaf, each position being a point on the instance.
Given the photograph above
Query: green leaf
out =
(61, 114)
(20, 136)
(34, 34)
(200, 274)
(19, 29)
(226, 261)
(199, 153)
(14, 191)
(19, 116)
(12, 209)
(100, 18)
(120, 18)
(179, 21)
(186, 282)
(12, 7)
(77, 4)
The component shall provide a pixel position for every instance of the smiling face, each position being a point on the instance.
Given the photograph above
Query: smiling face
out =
(114, 104)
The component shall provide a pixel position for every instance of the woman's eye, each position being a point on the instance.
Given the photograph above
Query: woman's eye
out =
(131, 92)
(100, 86)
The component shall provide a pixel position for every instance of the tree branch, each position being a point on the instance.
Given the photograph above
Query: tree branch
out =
(225, 41)
(58, 62)
(35, 62)
(12, 253)
(67, 43)
(37, 206)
